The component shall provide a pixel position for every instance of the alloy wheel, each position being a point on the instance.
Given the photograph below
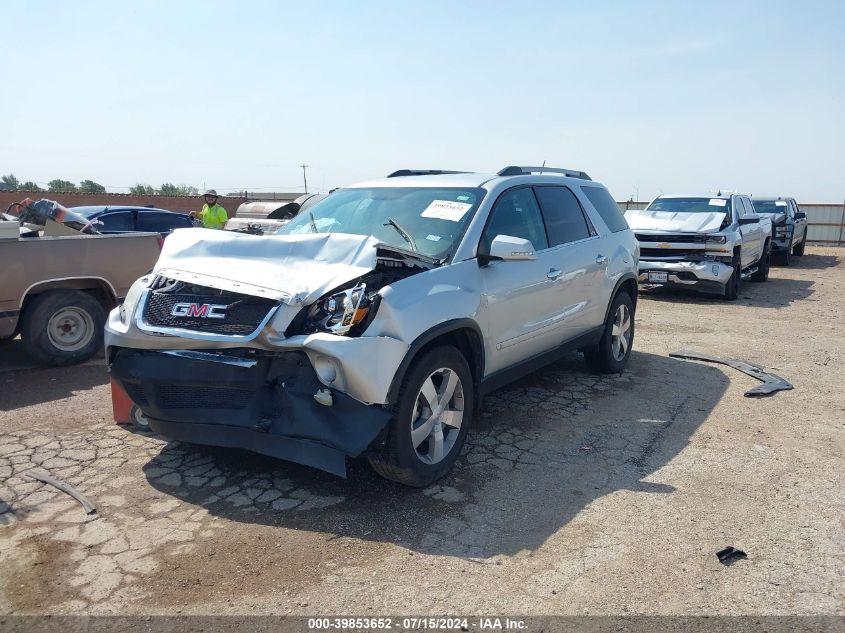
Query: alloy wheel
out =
(621, 332)
(438, 415)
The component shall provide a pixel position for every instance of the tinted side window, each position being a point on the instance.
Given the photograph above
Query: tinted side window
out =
(517, 214)
(793, 208)
(607, 208)
(160, 222)
(563, 215)
(118, 221)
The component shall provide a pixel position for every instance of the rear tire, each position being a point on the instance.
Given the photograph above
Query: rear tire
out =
(423, 440)
(617, 340)
(763, 265)
(63, 327)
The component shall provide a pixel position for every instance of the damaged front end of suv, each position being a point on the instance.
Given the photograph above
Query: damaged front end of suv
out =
(268, 343)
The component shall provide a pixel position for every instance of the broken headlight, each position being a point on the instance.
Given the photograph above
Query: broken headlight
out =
(342, 311)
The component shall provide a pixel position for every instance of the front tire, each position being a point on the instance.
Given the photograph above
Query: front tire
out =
(799, 248)
(763, 265)
(430, 421)
(617, 340)
(63, 327)
(732, 286)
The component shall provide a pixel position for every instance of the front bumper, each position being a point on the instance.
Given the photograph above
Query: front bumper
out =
(249, 399)
(781, 244)
(703, 275)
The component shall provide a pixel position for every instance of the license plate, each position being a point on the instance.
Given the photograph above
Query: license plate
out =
(658, 277)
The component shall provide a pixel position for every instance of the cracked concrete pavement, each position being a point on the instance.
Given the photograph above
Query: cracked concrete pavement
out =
(575, 493)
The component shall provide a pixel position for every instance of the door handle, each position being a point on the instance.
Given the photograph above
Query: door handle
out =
(601, 259)
(554, 274)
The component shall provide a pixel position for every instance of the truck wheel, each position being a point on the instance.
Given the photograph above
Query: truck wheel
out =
(430, 420)
(763, 265)
(786, 257)
(139, 420)
(617, 340)
(732, 286)
(63, 327)
(798, 249)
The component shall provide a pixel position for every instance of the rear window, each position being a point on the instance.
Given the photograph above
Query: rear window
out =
(161, 222)
(607, 208)
(119, 221)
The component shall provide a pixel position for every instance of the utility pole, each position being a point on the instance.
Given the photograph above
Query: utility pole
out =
(304, 179)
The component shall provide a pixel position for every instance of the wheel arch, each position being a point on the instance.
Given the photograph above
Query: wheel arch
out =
(464, 334)
(626, 283)
(99, 287)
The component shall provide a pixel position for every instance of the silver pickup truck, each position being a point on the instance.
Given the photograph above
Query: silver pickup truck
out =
(704, 242)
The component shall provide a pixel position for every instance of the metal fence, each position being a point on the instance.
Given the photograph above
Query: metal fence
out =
(826, 222)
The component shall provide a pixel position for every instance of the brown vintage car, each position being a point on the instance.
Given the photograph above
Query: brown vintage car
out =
(57, 282)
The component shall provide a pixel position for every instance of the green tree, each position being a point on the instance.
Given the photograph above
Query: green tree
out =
(11, 180)
(142, 190)
(169, 189)
(60, 186)
(89, 186)
(29, 186)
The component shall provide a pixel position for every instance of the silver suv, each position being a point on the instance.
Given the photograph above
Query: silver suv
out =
(373, 323)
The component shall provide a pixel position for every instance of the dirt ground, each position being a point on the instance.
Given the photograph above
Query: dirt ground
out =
(576, 494)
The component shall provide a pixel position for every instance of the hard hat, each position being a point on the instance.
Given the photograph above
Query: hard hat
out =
(211, 192)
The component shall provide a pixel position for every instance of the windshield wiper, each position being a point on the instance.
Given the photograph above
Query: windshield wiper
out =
(313, 223)
(402, 232)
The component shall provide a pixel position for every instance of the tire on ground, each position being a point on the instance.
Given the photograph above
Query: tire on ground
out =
(800, 247)
(732, 285)
(763, 265)
(399, 460)
(603, 360)
(67, 309)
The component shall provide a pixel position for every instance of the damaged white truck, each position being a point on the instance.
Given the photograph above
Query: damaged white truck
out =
(706, 243)
(373, 323)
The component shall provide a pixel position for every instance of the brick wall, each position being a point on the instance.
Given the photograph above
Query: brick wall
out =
(181, 204)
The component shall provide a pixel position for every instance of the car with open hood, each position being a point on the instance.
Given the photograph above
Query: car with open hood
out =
(374, 321)
(702, 242)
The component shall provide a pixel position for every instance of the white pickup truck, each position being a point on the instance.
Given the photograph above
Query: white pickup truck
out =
(704, 242)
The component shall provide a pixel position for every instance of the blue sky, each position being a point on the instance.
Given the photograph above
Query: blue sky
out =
(644, 96)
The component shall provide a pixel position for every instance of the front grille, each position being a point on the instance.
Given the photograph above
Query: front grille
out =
(201, 397)
(670, 254)
(136, 393)
(243, 313)
(675, 238)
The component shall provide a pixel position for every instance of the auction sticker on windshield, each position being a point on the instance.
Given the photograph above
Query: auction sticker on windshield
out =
(717, 202)
(446, 210)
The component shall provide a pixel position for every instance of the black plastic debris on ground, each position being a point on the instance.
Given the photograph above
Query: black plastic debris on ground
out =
(730, 555)
(771, 382)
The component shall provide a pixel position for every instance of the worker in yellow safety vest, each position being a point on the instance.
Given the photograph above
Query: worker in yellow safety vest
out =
(213, 216)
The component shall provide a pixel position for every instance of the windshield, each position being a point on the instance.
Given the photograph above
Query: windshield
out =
(691, 205)
(770, 206)
(427, 220)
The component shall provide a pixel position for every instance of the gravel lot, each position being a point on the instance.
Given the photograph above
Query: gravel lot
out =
(576, 494)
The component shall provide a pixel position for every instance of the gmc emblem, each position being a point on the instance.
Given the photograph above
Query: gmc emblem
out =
(199, 310)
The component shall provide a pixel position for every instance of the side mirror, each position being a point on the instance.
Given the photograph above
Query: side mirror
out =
(750, 219)
(509, 248)
(800, 215)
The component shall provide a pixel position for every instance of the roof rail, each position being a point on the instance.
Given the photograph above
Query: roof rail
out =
(422, 172)
(516, 170)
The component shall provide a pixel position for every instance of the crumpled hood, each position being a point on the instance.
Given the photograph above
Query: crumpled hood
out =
(644, 220)
(776, 218)
(296, 269)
